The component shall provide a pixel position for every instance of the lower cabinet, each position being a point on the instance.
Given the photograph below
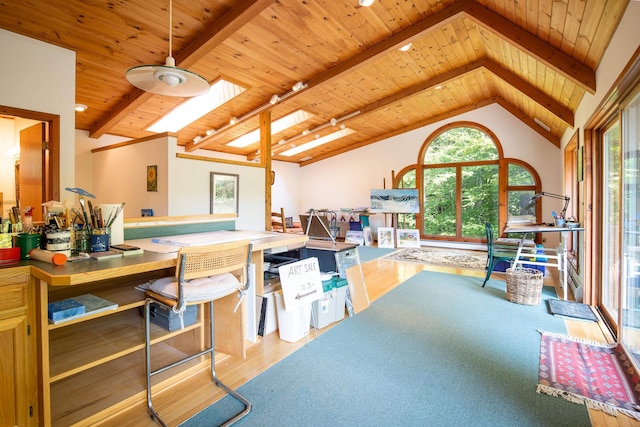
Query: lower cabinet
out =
(18, 398)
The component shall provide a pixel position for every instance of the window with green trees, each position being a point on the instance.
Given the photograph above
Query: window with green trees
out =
(459, 182)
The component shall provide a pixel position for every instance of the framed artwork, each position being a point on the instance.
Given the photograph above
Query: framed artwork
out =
(385, 237)
(224, 193)
(408, 238)
(396, 200)
(152, 178)
(354, 236)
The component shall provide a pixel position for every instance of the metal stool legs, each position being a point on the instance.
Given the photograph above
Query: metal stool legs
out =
(154, 415)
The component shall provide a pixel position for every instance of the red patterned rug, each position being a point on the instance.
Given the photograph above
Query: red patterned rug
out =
(598, 375)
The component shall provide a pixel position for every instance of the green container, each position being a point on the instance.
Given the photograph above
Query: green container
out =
(26, 242)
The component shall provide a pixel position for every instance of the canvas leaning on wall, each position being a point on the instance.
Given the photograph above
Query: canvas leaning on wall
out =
(408, 238)
(385, 237)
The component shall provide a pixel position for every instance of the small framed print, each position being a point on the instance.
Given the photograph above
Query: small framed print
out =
(152, 178)
(385, 237)
(408, 238)
(354, 236)
(224, 193)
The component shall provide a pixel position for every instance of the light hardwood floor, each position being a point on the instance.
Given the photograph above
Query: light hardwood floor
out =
(198, 392)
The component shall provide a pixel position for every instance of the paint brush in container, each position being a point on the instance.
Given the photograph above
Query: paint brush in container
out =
(113, 217)
(87, 224)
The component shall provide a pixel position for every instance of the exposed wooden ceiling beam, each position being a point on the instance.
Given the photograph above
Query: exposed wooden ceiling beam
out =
(392, 43)
(545, 101)
(238, 16)
(554, 58)
(418, 125)
(528, 121)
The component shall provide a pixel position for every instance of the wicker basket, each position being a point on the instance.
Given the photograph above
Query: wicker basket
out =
(524, 285)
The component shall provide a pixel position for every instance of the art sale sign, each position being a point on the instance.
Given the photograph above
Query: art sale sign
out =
(301, 283)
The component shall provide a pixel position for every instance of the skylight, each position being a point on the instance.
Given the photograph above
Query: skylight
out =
(196, 107)
(279, 125)
(318, 142)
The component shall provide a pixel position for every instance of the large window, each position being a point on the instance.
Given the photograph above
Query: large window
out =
(460, 184)
(630, 226)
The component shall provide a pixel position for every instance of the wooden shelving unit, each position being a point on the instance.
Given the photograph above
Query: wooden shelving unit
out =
(96, 362)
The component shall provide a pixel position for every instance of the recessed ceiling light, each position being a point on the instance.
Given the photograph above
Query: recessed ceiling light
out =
(365, 3)
(81, 108)
(405, 48)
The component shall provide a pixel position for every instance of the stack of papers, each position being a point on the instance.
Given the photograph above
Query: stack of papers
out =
(521, 220)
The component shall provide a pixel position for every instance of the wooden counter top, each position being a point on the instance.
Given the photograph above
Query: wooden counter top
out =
(80, 272)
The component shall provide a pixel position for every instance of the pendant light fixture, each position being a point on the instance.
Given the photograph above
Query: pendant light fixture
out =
(167, 79)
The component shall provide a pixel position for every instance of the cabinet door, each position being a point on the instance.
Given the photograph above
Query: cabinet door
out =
(14, 406)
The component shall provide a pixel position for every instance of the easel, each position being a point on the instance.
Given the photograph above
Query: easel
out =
(312, 213)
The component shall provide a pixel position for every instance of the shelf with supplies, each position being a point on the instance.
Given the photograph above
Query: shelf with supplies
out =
(80, 364)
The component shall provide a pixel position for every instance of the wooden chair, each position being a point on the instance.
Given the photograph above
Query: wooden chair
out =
(278, 221)
(220, 270)
(496, 254)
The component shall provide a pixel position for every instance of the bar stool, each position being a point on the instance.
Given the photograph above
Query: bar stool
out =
(203, 275)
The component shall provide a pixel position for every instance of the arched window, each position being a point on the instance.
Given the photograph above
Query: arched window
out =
(464, 181)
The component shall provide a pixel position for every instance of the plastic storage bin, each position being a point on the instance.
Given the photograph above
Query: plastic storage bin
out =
(168, 319)
(292, 324)
(330, 308)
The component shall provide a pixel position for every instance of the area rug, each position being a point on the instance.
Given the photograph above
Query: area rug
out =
(447, 258)
(571, 310)
(598, 375)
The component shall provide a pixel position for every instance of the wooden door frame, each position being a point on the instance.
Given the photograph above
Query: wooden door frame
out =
(53, 120)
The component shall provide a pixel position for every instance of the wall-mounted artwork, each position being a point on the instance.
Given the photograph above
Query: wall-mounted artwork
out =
(152, 178)
(395, 201)
(224, 193)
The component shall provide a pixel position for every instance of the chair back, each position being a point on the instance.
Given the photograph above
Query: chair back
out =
(209, 260)
(203, 261)
(489, 232)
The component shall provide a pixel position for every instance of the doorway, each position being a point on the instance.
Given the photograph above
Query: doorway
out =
(37, 175)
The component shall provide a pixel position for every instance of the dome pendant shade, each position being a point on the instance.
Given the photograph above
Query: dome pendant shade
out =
(167, 80)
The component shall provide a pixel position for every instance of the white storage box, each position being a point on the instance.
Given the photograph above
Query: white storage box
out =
(293, 325)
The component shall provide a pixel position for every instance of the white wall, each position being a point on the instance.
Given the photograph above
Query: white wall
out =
(286, 189)
(41, 77)
(120, 175)
(190, 190)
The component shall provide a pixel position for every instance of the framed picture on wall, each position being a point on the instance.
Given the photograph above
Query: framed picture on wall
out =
(385, 237)
(408, 238)
(152, 178)
(224, 193)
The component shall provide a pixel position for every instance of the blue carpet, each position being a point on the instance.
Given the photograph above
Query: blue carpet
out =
(439, 350)
(367, 253)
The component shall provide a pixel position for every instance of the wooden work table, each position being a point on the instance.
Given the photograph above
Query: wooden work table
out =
(93, 367)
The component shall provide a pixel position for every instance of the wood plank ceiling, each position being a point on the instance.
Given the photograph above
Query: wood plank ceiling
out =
(535, 58)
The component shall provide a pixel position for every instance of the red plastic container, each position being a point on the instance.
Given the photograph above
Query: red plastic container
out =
(9, 256)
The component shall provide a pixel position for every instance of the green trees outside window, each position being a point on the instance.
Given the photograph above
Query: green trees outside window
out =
(459, 179)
